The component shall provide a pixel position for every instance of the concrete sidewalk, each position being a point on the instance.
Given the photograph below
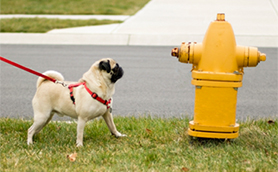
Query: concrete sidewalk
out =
(164, 22)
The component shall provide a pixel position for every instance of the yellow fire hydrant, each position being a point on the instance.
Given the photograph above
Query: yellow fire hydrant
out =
(217, 72)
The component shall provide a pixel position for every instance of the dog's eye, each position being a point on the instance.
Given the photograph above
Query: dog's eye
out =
(116, 68)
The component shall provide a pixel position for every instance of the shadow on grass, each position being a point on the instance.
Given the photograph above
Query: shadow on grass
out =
(208, 142)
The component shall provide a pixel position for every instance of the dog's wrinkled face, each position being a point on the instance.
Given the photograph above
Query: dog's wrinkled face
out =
(112, 68)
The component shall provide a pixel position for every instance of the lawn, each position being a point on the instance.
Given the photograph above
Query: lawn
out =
(81, 7)
(42, 25)
(106, 7)
(153, 144)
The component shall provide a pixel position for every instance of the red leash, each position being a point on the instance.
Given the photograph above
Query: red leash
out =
(94, 95)
(27, 69)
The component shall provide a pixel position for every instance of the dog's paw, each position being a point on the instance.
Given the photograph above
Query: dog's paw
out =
(29, 142)
(123, 135)
(79, 144)
(118, 134)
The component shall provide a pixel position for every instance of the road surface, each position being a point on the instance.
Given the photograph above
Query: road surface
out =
(154, 83)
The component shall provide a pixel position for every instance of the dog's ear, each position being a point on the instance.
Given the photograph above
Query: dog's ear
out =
(105, 66)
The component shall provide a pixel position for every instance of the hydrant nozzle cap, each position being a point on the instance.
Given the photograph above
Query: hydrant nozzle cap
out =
(175, 52)
(220, 17)
(262, 57)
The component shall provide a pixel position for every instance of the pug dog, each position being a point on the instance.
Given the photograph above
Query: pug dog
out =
(85, 100)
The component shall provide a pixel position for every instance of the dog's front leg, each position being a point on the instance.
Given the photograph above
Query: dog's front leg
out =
(108, 118)
(80, 130)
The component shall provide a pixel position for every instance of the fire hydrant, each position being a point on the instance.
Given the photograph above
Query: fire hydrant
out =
(217, 72)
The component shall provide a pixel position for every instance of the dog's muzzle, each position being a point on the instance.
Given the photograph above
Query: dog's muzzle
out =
(118, 72)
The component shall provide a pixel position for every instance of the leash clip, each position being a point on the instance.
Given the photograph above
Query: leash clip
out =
(62, 83)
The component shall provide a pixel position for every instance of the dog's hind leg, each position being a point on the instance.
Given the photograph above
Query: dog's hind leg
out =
(40, 120)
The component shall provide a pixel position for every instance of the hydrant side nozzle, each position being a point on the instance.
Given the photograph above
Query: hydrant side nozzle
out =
(249, 56)
(190, 52)
(254, 57)
(242, 56)
(184, 52)
(196, 53)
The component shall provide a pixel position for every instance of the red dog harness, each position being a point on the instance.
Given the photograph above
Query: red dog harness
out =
(94, 95)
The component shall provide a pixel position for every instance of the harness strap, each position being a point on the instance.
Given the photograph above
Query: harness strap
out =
(71, 86)
(94, 95)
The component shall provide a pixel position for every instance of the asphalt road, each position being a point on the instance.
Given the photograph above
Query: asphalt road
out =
(154, 82)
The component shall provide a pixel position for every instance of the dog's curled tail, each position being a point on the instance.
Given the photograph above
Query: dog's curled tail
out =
(52, 74)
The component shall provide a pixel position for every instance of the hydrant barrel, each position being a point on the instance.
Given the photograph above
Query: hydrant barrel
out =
(217, 73)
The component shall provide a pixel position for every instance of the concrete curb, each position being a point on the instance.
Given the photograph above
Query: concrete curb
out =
(126, 39)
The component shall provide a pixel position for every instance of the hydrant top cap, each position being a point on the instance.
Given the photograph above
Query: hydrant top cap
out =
(220, 17)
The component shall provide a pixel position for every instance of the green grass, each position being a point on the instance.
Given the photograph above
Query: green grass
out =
(42, 25)
(153, 144)
(108, 7)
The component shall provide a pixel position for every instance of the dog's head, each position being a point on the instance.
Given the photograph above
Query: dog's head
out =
(111, 69)
(105, 70)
